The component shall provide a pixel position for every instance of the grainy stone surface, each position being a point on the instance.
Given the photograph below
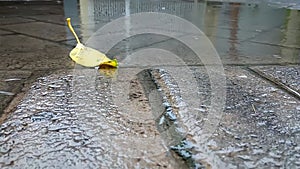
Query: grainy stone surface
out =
(69, 120)
(58, 115)
(260, 124)
(39, 29)
(288, 75)
(11, 83)
(79, 116)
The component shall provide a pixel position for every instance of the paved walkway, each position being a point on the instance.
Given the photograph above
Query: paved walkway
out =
(52, 116)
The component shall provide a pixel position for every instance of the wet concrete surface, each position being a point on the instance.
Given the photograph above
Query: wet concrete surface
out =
(22, 56)
(69, 119)
(260, 127)
(257, 129)
(288, 75)
(55, 114)
(68, 122)
(11, 84)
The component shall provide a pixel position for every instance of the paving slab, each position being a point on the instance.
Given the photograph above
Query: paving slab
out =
(40, 30)
(23, 52)
(6, 20)
(3, 32)
(259, 127)
(57, 18)
(140, 42)
(275, 37)
(234, 52)
(286, 75)
(10, 8)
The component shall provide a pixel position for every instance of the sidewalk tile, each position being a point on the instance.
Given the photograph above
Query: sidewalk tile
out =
(40, 30)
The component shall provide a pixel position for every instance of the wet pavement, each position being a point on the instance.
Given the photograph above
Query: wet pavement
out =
(289, 76)
(56, 114)
(77, 126)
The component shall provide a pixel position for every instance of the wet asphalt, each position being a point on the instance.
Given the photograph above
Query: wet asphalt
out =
(56, 114)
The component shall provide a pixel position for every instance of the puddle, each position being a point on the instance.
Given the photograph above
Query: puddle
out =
(243, 33)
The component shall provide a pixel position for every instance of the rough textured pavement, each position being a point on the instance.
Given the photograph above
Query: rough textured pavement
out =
(55, 114)
(65, 120)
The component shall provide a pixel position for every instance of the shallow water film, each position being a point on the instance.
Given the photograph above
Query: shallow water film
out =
(200, 84)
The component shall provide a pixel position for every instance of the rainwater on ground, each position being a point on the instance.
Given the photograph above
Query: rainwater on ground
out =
(242, 33)
(164, 115)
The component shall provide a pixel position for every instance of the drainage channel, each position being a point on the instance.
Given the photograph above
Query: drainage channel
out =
(165, 105)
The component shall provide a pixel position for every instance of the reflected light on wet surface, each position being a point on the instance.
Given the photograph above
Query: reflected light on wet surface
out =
(258, 33)
(70, 118)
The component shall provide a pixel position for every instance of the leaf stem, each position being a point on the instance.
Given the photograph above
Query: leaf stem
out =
(72, 30)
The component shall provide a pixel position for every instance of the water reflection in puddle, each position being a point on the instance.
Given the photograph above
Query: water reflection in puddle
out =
(257, 33)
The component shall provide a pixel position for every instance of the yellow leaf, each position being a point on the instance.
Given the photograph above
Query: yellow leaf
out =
(87, 56)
